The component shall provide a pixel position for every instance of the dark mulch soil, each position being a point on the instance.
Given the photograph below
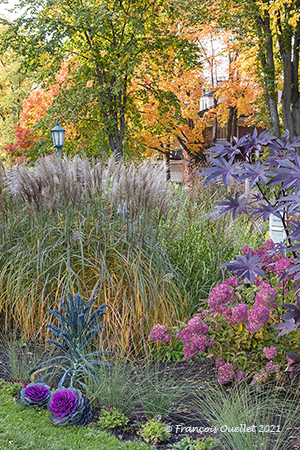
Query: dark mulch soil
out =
(183, 421)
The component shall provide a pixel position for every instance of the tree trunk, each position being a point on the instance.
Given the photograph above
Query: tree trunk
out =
(232, 123)
(267, 62)
(289, 50)
(168, 157)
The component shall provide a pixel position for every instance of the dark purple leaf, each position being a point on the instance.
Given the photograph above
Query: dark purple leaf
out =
(295, 268)
(255, 173)
(288, 174)
(254, 142)
(233, 204)
(285, 327)
(222, 168)
(247, 266)
(293, 356)
(267, 210)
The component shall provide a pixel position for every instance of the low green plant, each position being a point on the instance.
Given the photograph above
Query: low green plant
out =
(195, 444)
(111, 417)
(154, 431)
(78, 326)
(9, 388)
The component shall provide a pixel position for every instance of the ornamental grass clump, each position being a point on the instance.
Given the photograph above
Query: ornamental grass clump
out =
(69, 407)
(34, 394)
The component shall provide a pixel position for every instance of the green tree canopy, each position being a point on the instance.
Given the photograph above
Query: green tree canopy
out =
(107, 40)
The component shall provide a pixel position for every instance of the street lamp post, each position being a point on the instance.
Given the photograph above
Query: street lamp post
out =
(58, 138)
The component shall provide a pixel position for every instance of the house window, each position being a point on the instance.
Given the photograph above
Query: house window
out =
(222, 132)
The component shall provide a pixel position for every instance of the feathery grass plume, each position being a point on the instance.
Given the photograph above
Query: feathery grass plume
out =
(74, 239)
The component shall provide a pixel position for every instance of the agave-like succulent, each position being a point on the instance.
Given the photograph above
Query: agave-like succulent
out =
(69, 407)
(78, 325)
(34, 394)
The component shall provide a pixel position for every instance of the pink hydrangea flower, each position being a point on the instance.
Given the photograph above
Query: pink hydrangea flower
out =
(239, 376)
(225, 373)
(219, 362)
(240, 313)
(270, 352)
(231, 282)
(257, 317)
(159, 334)
(197, 326)
(266, 296)
(227, 315)
(272, 367)
(246, 250)
(194, 346)
(281, 265)
(219, 296)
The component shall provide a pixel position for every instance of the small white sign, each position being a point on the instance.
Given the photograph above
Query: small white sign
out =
(276, 229)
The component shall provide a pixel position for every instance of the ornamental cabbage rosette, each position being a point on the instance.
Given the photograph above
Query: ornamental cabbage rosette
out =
(34, 394)
(68, 406)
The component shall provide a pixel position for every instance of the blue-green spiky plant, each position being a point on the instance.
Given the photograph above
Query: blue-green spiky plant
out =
(78, 326)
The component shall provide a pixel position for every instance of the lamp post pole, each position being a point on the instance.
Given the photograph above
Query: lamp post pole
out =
(58, 138)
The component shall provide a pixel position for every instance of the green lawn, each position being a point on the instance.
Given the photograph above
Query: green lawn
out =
(29, 429)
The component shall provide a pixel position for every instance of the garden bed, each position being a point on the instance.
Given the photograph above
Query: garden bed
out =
(182, 417)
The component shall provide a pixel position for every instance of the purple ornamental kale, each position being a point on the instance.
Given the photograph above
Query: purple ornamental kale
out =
(245, 266)
(63, 403)
(34, 394)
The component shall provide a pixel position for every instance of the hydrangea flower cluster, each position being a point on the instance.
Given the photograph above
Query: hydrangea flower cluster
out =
(266, 296)
(257, 318)
(225, 373)
(272, 367)
(219, 296)
(159, 334)
(240, 313)
(194, 337)
(270, 352)
(239, 376)
(281, 265)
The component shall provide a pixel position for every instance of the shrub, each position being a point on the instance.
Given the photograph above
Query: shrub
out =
(111, 417)
(239, 325)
